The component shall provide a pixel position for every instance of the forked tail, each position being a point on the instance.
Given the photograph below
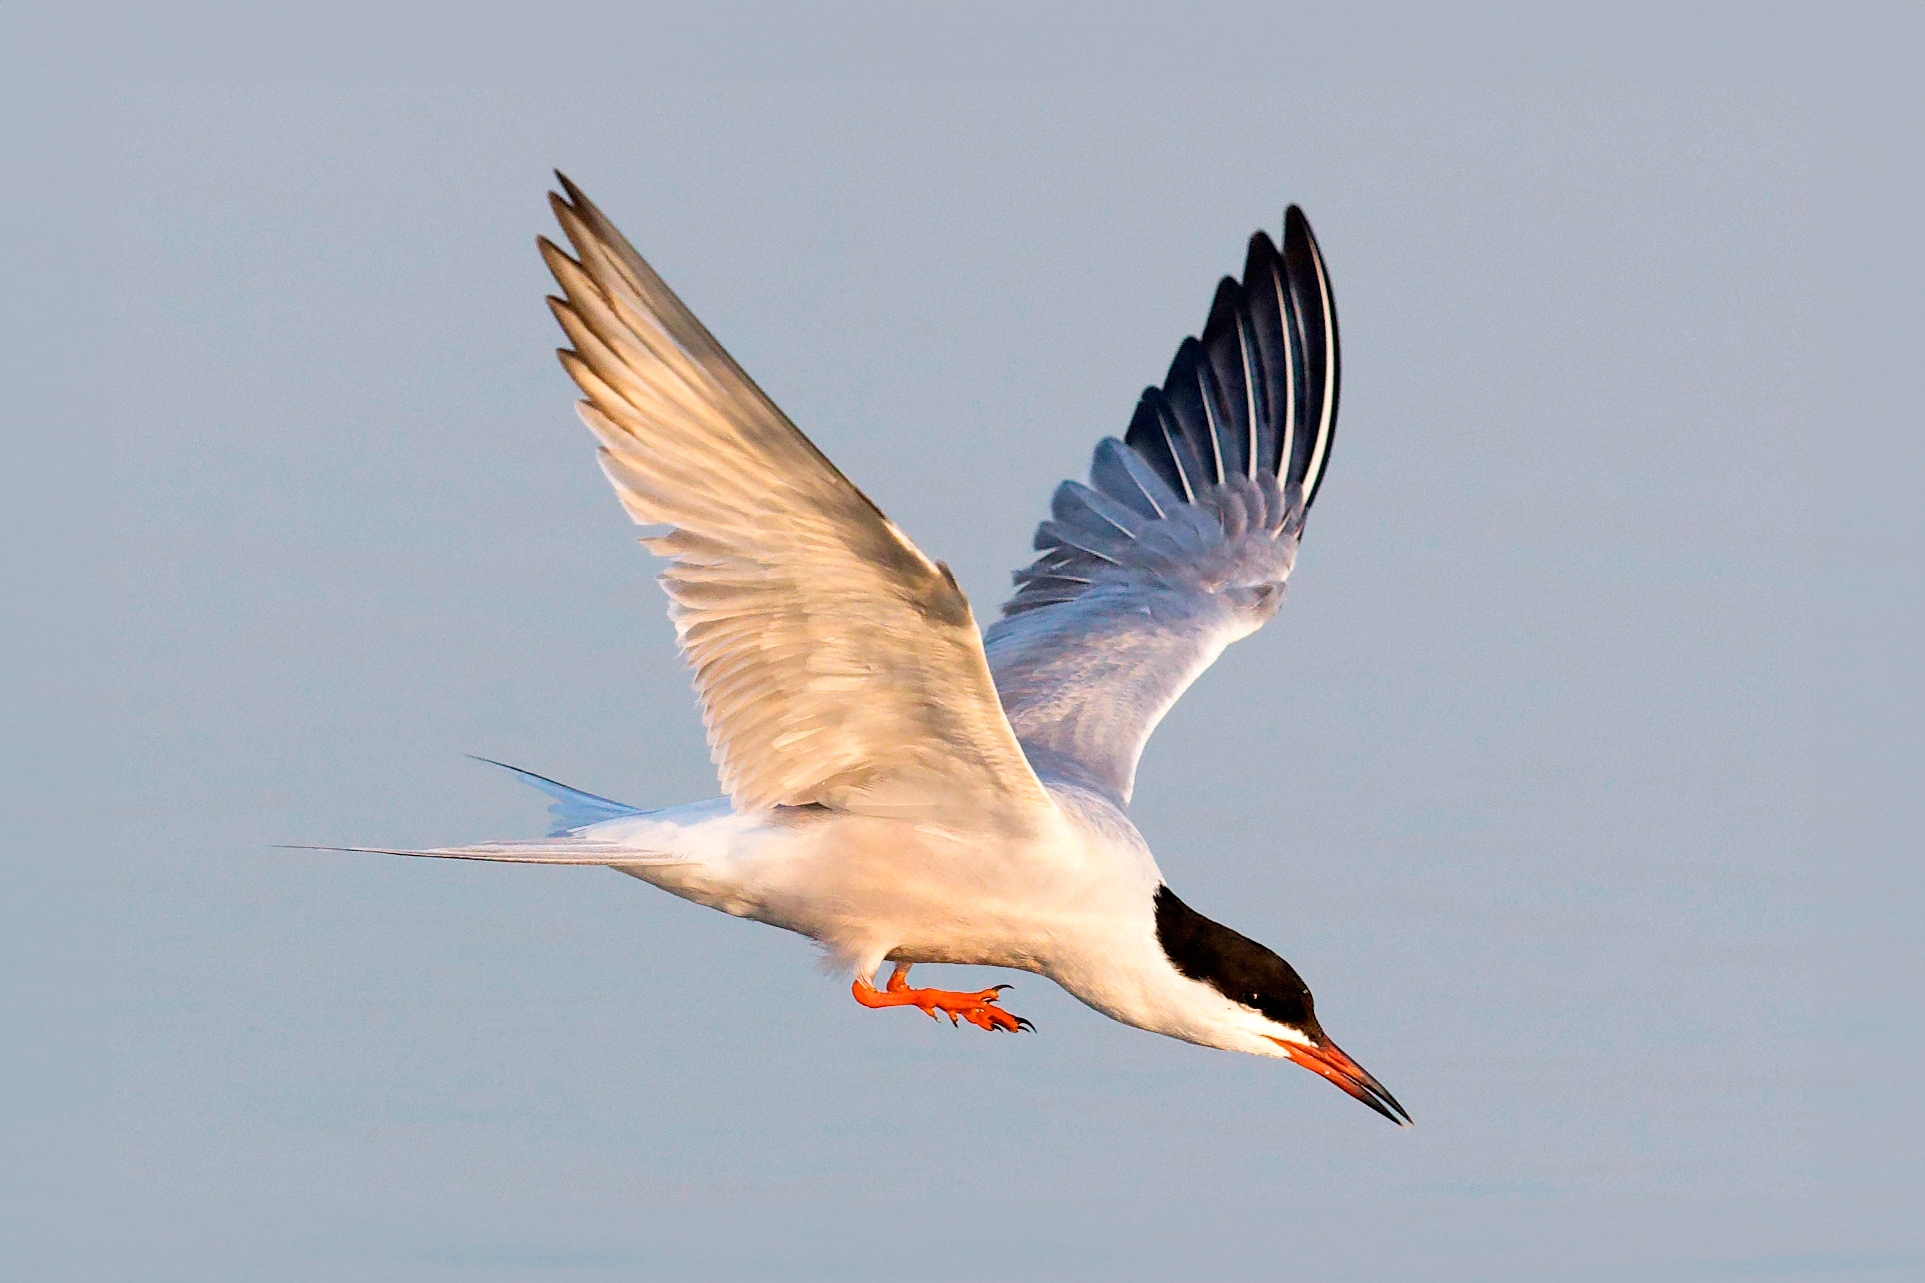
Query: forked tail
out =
(564, 850)
(573, 810)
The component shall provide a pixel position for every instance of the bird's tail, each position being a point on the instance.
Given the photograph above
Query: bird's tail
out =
(573, 810)
(562, 850)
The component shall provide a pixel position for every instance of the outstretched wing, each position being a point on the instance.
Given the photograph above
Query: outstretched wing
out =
(836, 664)
(1182, 540)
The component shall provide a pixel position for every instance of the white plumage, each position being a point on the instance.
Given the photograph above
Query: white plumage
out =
(901, 787)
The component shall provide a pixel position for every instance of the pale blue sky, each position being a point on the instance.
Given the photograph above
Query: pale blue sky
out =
(1567, 775)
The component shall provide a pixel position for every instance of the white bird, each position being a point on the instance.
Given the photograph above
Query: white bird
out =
(900, 787)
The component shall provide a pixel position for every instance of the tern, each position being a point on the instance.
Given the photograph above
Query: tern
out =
(899, 786)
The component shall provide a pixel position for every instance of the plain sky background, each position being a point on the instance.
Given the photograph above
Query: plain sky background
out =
(1577, 776)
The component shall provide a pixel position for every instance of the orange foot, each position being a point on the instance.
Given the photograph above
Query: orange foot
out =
(979, 1009)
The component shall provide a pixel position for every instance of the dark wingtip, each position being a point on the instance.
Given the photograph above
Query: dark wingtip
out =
(1183, 364)
(1145, 436)
(1298, 238)
(1261, 255)
(1223, 308)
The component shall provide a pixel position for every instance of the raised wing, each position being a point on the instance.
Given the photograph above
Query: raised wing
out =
(1182, 540)
(836, 664)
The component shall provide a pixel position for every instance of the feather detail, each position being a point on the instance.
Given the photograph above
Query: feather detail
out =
(1188, 524)
(837, 665)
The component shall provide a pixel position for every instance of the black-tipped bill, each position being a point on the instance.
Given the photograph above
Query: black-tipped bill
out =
(1329, 1061)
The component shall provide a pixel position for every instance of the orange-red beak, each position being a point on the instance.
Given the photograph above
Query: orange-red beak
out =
(1329, 1061)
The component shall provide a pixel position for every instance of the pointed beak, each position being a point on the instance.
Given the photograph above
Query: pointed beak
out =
(1329, 1061)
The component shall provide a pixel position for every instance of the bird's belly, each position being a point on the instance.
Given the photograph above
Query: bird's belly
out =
(918, 895)
(869, 889)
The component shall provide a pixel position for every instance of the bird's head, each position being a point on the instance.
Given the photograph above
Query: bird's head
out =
(1257, 1002)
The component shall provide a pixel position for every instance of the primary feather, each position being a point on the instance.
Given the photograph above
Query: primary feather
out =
(1184, 536)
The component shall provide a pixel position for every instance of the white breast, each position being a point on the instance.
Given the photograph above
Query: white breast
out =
(868, 888)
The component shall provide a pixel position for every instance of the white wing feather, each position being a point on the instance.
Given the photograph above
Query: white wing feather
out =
(836, 664)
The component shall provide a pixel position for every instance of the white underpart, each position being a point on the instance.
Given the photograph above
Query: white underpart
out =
(1072, 904)
(900, 786)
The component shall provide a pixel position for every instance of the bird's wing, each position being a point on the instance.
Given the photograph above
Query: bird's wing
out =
(837, 665)
(1182, 540)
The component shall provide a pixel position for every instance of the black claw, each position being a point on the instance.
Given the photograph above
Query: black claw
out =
(1000, 988)
(1022, 1024)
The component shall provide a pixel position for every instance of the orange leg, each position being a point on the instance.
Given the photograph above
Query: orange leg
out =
(979, 1009)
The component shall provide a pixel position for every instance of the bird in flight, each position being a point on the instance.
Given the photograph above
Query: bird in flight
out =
(901, 787)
